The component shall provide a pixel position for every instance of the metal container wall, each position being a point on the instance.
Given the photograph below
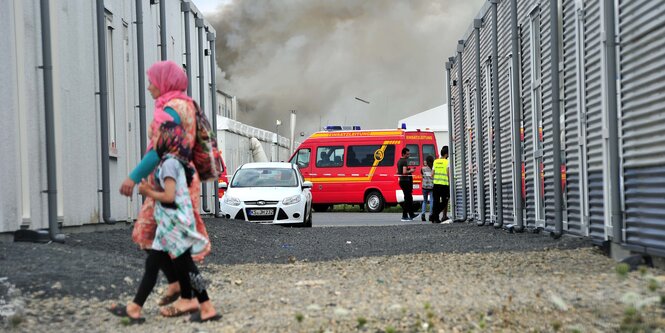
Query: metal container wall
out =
(642, 72)
(505, 109)
(458, 135)
(546, 91)
(526, 64)
(571, 109)
(587, 146)
(486, 114)
(469, 91)
(593, 119)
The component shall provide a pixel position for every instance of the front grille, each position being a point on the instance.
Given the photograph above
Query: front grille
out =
(255, 203)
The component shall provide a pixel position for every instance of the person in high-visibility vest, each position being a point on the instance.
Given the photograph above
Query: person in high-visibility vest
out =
(440, 172)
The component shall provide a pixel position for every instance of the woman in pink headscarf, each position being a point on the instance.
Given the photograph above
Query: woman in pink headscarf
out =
(168, 83)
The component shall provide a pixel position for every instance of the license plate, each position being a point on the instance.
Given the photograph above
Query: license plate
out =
(261, 212)
(416, 186)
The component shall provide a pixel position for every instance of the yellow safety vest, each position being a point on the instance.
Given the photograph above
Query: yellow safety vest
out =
(440, 169)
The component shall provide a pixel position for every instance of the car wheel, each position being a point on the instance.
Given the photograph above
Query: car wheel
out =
(321, 207)
(308, 219)
(374, 202)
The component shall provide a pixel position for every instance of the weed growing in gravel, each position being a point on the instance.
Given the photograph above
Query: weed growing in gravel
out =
(482, 324)
(15, 320)
(299, 317)
(643, 270)
(622, 270)
(430, 319)
(653, 285)
(632, 320)
(556, 325)
(361, 322)
(390, 329)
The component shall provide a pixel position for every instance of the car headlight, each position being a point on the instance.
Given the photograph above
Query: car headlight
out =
(291, 200)
(231, 201)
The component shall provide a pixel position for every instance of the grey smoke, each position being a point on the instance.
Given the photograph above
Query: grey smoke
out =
(317, 56)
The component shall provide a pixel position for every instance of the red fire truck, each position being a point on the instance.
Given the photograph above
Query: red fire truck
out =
(360, 166)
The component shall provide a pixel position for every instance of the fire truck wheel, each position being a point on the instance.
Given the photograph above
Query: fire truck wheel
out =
(321, 207)
(374, 202)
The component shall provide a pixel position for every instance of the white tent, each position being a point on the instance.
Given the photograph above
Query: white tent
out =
(435, 119)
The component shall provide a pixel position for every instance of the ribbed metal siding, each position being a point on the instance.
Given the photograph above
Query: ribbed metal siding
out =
(592, 72)
(570, 109)
(486, 111)
(458, 135)
(546, 91)
(642, 54)
(504, 110)
(469, 84)
(524, 21)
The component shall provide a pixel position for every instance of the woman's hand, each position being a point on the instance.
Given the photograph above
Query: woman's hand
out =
(127, 187)
(145, 188)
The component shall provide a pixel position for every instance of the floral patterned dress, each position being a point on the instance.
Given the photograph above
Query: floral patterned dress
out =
(176, 226)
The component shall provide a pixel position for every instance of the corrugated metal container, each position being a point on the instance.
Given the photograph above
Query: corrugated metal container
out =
(571, 108)
(586, 83)
(526, 82)
(505, 109)
(458, 135)
(546, 91)
(642, 58)
(486, 136)
(593, 119)
(469, 91)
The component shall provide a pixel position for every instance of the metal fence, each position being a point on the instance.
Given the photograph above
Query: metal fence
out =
(572, 89)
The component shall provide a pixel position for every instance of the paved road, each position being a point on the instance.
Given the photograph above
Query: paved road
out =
(353, 219)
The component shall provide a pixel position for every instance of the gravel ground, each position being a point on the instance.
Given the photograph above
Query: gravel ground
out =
(411, 278)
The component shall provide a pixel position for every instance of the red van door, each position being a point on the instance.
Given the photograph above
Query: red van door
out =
(328, 172)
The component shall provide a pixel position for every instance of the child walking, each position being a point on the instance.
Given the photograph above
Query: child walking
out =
(177, 235)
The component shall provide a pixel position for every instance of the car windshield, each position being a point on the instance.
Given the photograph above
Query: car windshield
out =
(265, 177)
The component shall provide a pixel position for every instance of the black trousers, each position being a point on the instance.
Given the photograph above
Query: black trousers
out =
(191, 281)
(407, 205)
(441, 194)
(156, 261)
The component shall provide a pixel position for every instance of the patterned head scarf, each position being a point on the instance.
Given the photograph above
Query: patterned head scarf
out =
(171, 81)
(169, 144)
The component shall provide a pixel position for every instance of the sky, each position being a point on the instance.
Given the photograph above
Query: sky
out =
(317, 56)
(209, 6)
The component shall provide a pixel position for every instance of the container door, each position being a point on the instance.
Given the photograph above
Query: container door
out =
(642, 58)
(593, 119)
(573, 101)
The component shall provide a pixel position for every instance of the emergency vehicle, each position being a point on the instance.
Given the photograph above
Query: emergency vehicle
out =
(360, 166)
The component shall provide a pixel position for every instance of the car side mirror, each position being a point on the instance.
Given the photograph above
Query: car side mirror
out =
(222, 185)
(307, 184)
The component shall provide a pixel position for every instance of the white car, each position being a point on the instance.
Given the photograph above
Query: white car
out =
(268, 192)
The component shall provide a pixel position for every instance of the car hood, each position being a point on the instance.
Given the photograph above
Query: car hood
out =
(263, 193)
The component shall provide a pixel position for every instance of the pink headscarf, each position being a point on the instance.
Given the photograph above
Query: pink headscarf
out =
(171, 81)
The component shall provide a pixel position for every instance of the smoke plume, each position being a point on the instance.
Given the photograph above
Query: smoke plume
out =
(317, 56)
